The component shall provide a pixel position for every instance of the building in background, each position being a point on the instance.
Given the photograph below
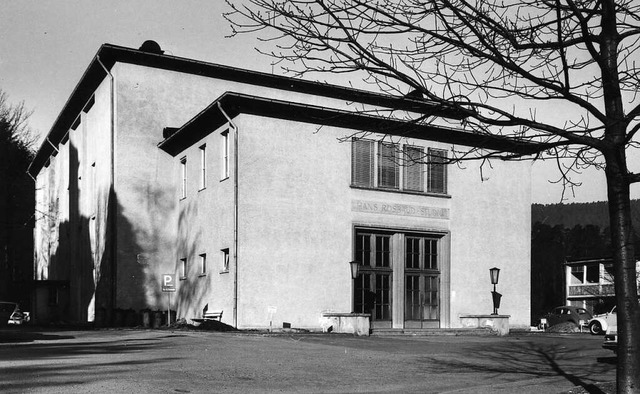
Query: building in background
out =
(589, 284)
(257, 190)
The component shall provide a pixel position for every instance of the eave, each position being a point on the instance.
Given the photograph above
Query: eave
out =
(234, 104)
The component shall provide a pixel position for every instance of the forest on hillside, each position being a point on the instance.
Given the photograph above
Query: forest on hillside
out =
(571, 215)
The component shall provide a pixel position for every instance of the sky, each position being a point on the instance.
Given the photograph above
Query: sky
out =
(45, 46)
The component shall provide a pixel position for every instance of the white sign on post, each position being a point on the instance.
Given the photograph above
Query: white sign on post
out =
(169, 286)
(169, 283)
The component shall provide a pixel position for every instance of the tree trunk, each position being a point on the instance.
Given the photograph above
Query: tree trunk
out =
(628, 370)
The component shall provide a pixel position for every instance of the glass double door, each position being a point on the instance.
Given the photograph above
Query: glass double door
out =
(421, 302)
(403, 265)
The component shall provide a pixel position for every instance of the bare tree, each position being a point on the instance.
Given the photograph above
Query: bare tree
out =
(16, 200)
(558, 72)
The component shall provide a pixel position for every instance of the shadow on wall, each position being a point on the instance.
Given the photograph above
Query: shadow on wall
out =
(84, 285)
(193, 296)
(81, 283)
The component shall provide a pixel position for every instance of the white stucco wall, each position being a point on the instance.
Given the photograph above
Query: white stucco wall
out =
(491, 227)
(298, 212)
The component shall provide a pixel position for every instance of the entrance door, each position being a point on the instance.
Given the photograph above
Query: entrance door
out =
(373, 285)
(422, 283)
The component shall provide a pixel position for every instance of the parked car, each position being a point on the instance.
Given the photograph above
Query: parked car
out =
(568, 313)
(599, 324)
(10, 313)
(611, 339)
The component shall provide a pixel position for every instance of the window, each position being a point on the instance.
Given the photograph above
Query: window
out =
(388, 166)
(593, 273)
(577, 274)
(203, 167)
(437, 171)
(93, 198)
(225, 259)
(378, 166)
(183, 171)
(413, 172)
(373, 249)
(225, 154)
(203, 264)
(608, 273)
(362, 162)
(183, 268)
(421, 253)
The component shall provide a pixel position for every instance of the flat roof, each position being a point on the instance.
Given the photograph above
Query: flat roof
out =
(234, 104)
(109, 54)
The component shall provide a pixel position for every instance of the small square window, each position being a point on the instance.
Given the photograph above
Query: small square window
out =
(183, 268)
(225, 154)
(203, 264)
(225, 260)
(183, 173)
(203, 167)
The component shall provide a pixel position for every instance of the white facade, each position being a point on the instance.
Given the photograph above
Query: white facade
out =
(252, 204)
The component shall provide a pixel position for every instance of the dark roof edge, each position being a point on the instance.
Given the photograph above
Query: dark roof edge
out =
(109, 54)
(589, 260)
(236, 103)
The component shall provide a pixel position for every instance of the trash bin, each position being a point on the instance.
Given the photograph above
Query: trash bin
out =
(130, 318)
(146, 318)
(101, 315)
(157, 319)
(118, 318)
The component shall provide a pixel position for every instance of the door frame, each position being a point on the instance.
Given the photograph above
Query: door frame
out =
(398, 272)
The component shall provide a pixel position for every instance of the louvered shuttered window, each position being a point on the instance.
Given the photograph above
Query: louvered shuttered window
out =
(388, 166)
(413, 168)
(437, 171)
(362, 162)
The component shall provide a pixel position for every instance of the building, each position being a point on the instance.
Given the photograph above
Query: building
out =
(253, 191)
(589, 284)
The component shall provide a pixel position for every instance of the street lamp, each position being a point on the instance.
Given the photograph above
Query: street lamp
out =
(494, 273)
(355, 265)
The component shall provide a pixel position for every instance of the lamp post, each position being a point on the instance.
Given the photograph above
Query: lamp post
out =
(494, 273)
(354, 265)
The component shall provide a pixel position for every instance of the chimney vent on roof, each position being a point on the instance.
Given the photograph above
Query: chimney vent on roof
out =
(168, 132)
(151, 47)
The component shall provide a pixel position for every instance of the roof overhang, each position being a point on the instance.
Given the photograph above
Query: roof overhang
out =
(109, 55)
(234, 104)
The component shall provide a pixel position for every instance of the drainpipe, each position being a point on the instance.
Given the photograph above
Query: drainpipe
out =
(53, 146)
(31, 176)
(235, 214)
(112, 200)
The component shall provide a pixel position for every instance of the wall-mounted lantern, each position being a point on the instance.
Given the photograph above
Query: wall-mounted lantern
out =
(354, 268)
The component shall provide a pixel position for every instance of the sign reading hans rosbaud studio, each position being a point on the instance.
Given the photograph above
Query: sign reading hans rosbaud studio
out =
(399, 209)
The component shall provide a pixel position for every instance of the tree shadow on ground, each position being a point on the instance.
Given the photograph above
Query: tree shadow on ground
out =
(65, 364)
(16, 336)
(526, 359)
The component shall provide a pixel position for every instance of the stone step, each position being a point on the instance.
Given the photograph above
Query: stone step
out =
(433, 331)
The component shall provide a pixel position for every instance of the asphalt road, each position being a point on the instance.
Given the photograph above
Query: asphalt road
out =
(189, 361)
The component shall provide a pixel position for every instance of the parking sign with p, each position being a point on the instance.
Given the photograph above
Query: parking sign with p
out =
(168, 282)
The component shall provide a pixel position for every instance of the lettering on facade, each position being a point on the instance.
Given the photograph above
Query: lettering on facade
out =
(399, 209)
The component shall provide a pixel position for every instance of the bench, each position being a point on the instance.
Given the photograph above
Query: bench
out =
(209, 315)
